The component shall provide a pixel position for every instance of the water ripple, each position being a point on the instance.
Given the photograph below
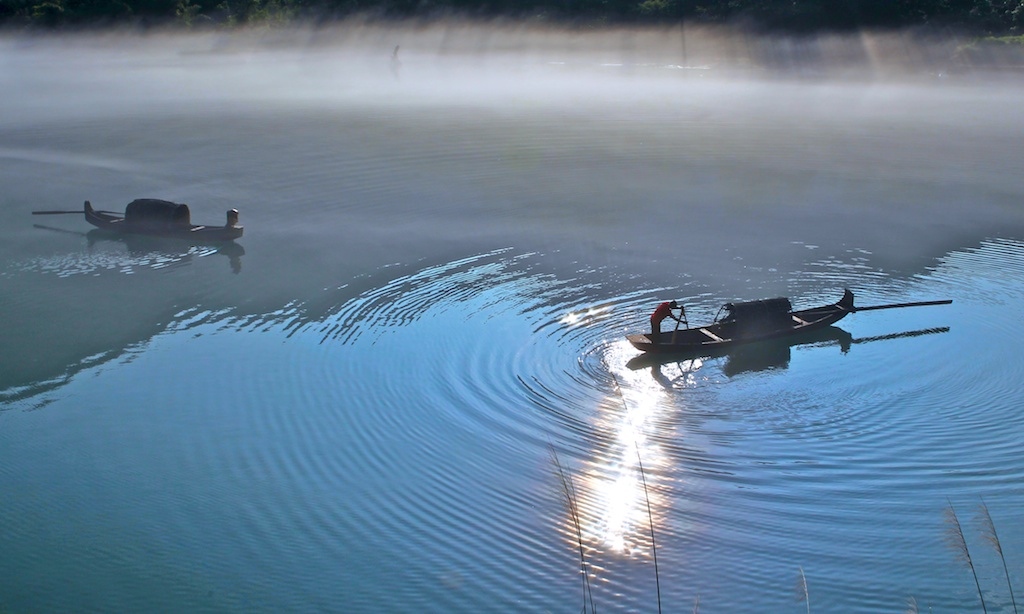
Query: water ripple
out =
(418, 424)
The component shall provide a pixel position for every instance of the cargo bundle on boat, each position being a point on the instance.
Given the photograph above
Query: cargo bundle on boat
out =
(754, 317)
(157, 213)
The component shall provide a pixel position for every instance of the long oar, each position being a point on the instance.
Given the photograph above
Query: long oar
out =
(897, 305)
(70, 232)
(676, 331)
(79, 212)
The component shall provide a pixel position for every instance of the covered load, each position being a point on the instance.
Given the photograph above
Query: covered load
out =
(152, 211)
(764, 308)
(767, 311)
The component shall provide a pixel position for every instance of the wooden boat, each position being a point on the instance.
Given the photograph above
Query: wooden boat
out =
(162, 218)
(743, 323)
(770, 352)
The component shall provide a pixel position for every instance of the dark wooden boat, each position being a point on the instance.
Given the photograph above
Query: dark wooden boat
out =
(743, 323)
(162, 218)
(771, 352)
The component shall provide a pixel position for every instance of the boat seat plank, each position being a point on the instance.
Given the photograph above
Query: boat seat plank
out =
(799, 320)
(712, 335)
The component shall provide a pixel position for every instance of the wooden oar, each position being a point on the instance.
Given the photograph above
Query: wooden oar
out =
(676, 331)
(79, 212)
(70, 232)
(897, 305)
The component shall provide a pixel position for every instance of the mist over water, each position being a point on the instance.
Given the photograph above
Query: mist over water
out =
(356, 406)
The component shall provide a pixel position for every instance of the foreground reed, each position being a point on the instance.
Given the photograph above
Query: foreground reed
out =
(647, 498)
(568, 488)
(569, 492)
(958, 542)
(992, 537)
(650, 523)
(802, 593)
(955, 538)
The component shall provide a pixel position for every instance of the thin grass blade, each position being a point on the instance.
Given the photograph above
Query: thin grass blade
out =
(802, 594)
(956, 541)
(988, 531)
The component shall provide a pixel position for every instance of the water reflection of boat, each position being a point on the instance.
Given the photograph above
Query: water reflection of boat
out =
(752, 322)
(141, 244)
(176, 224)
(145, 244)
(753, 356)
(772, 353)
(92, 276)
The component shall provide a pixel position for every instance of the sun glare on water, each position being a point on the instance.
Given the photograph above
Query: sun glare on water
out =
(623, 497)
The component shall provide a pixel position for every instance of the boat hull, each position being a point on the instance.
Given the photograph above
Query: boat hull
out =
(724, 336)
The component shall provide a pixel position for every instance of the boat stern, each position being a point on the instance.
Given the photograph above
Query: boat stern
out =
(641, 342)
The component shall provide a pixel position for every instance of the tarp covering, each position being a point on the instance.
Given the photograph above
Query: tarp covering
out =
(151, 210)
(772, 309)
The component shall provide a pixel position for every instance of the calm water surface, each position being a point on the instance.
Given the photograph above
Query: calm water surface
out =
(363, 405)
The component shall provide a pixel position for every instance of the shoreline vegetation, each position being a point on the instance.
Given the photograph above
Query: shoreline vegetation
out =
(810, 38)
(996, 20)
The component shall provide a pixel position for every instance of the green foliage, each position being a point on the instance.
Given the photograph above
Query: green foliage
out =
(991, 51)
(1012, 41)
(657, 8)
(48, 13)
(187, 12)
(53, 13)
(991, 17)
(271, 12)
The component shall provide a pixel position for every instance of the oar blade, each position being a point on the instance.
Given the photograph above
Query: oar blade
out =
(901, 305)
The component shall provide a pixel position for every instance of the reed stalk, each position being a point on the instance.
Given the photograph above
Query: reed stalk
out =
(955, 538)
(988, 530)
(647, 498)
(801, 589)
(569, 491)
(650, 523)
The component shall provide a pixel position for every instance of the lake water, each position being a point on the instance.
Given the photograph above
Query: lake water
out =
(365, 403)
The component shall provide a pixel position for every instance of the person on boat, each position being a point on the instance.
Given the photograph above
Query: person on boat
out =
(663, 311)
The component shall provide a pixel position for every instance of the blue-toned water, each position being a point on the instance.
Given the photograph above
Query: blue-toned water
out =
(373, 401)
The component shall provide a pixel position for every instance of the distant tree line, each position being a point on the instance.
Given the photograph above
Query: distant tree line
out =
(999, 17)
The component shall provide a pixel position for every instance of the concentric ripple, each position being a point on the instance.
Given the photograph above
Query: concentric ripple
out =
(507, 352)
(433, 432)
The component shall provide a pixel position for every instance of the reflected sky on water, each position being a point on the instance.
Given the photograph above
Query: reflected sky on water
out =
(357, 405)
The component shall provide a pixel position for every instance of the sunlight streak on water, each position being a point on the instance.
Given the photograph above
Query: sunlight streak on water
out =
(613, 481)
